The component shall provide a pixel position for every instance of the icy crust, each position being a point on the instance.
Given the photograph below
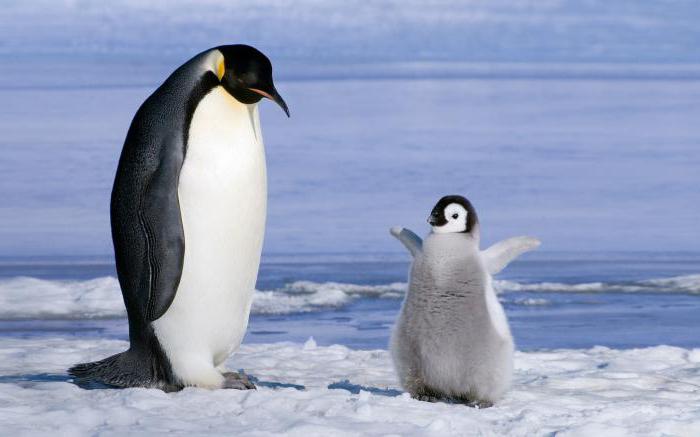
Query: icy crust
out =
(31, 298)
(305, 296)
(600, 391)
(687, 284)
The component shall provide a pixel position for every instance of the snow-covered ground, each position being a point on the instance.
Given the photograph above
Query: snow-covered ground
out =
(309, 390)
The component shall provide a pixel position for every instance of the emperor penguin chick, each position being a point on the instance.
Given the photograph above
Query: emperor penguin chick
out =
(451, 340)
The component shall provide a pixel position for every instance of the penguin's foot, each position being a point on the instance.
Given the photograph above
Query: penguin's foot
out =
(427, 398)
(428, 395)
(237, 381)
(474, 403)
(471, 400)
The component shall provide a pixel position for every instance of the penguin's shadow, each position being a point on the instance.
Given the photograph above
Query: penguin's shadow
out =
(356, 388)
(273, 384)
(30, 379)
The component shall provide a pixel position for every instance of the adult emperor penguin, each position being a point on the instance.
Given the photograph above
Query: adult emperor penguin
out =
(451, 340)
(188, 215)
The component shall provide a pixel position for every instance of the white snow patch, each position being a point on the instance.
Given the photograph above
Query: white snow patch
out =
(31, 298)
(600, 391)
(529, 301)
(24, 297)
(305, 296)
(689, 284)
(310, 344)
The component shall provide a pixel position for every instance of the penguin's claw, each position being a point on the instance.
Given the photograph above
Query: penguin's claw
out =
(426, 398)
(237, 381)
(479, 405)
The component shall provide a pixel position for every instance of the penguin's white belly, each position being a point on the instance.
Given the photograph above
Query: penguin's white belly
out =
(223, 198)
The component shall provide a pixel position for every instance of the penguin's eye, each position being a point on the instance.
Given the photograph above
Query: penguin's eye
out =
(454, 216)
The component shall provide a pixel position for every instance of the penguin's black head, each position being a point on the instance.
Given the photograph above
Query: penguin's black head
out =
(247, 75)
(453, 214)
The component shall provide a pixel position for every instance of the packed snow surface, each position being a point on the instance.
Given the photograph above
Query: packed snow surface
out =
(309, 390)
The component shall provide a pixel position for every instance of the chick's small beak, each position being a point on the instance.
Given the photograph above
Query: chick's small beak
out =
(274, 96)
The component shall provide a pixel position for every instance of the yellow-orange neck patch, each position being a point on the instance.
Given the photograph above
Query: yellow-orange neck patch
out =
(220, 68)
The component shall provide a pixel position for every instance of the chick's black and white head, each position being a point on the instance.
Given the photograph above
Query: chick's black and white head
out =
(453, 214)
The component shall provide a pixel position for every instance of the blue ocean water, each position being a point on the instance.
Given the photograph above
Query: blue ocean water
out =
(602, 170)
(573, 122)
(583, 164)
(568, 300)
(586, 165)
(557, 318)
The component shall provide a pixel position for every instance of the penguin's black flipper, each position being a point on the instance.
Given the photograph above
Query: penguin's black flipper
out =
(408, 238)
(162, 224)
(147, 230)
(147, 227)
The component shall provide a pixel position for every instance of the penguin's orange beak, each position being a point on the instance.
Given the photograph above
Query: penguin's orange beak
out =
(275, 97)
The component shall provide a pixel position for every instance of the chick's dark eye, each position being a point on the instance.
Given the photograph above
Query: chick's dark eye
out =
(454, 216)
